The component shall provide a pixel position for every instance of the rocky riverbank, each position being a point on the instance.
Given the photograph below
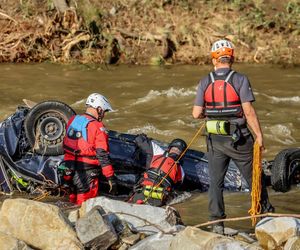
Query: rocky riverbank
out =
(102, 223)
(148, 31)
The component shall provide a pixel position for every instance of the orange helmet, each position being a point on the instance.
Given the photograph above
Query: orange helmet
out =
(222, 48)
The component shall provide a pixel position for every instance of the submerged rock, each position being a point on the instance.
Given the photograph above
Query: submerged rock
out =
(39, 225)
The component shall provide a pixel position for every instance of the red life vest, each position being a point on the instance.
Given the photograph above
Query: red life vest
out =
(76, 145)
(221, 99)
(164, 168)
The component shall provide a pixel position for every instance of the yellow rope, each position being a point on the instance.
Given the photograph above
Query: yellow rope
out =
(256, 184)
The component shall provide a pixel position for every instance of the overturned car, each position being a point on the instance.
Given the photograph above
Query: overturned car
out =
(31, 153)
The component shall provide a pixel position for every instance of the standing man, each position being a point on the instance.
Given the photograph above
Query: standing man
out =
(224, 98)
(86, 150)
(162, 174)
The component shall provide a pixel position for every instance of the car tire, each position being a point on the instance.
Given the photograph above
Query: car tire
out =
(284, 169)
(45, 126)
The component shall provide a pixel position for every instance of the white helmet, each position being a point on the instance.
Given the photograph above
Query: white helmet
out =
(222, 48)
(96, 100)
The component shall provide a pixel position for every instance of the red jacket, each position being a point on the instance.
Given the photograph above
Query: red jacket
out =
(85, 138)
(161, 167)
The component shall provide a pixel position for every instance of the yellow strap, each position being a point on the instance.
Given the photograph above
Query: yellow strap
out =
(256, 184)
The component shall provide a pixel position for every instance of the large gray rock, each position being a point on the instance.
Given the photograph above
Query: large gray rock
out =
(272, 233)
(196, 239)
(157, 241)
(8, 242)
(142, 218)
(40, 225)
(94, 231)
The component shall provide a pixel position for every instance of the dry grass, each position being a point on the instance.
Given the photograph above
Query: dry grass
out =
(150, 31)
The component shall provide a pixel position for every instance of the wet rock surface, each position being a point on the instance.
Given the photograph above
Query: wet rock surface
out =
(27, 224)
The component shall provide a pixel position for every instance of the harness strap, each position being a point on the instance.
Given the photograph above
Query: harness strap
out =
(222, 103)
(161, 164)
(229, 75)
(77, 152)
(152, 175)
(225, 87)
(212, 88)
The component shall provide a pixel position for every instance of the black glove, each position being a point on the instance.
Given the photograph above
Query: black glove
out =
(113, 186)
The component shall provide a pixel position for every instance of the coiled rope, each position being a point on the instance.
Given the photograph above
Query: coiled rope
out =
(256, 183)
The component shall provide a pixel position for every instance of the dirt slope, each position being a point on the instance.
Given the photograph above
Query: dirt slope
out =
(148, 31)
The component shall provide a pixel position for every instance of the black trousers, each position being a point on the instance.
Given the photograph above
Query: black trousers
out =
(220, 150)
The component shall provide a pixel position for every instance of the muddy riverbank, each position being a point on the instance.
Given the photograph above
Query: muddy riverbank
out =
(148, 32)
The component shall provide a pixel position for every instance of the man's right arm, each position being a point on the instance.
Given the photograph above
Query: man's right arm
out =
(253, 122)
(198, 112)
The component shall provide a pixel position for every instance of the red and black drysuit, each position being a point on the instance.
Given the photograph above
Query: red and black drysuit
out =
(221, 94)
(86, 150)
(161, 168)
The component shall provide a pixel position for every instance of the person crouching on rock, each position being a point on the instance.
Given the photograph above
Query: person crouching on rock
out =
(162, 174)
(86, 149)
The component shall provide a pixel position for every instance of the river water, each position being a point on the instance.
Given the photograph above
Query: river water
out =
(158, 101)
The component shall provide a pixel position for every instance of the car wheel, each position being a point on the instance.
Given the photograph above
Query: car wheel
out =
(45, 126)
(286, 169)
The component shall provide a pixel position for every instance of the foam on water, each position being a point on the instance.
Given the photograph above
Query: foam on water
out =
(78, 103)
(180, 122)
(149, 128)
(275, 99)
(171, 92)
(282, 134)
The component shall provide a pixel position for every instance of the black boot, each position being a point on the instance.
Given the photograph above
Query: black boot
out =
(267, 208)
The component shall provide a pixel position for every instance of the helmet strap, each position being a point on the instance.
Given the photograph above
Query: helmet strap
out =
(101, 113)
(174, 156)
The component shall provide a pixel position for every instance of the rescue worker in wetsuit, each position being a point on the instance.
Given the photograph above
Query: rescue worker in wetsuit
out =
(87, 152)
(224, 98)
(162, 174)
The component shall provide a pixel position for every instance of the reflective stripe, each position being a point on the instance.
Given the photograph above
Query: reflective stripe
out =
(229, 75)
(212, 77)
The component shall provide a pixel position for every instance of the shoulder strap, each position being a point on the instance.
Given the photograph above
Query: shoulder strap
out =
(212, 88)
(231, 72)
(80, 123)
(162, 162)
(229, 75)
